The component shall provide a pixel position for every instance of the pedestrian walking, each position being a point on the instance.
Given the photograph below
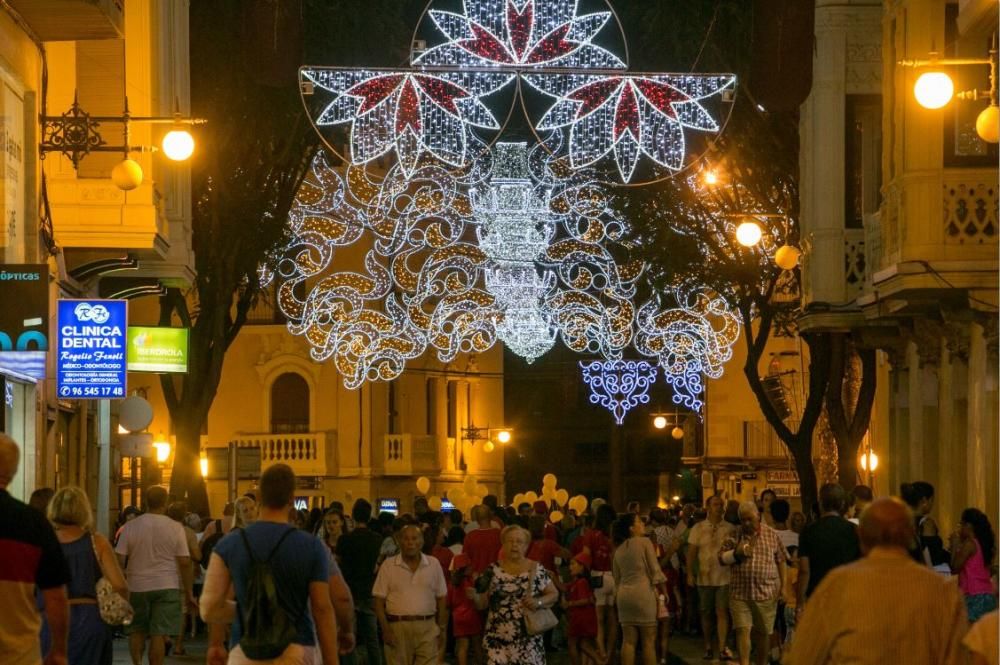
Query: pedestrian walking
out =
(466, 620)
(884, 608)
(154, 551)
(30, 557)
(90, 557)
(596, 543)
(711, 579)
(332, 527)
(482, 544)
(829, 542)
(280, 577)
(972, 550)
(517, 586)
(928, 546)
(177, 511)
(358, 554)
(411, 603)
(638, 583)
(757, 561)
(580, 604)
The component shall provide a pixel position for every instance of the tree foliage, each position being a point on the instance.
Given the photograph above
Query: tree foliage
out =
(252, 156)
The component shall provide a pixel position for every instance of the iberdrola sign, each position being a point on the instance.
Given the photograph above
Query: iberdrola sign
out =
(161, 350)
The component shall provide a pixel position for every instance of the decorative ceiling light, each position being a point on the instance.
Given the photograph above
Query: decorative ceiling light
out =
(462, 84)
(618, 385)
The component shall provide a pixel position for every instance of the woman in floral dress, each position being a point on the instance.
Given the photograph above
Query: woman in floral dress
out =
(516, 584)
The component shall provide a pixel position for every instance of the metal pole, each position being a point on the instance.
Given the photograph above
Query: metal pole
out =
(104, 465)
(134, 475)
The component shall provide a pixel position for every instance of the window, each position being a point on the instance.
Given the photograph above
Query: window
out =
(431, 400)
(289, 404)
(393, 412)
(452, 407)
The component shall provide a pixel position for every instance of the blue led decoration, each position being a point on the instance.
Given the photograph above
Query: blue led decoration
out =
(618, 385)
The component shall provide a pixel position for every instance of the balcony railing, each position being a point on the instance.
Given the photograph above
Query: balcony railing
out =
(855, 262)
(410, 454)
(970, 207)
(306, 453)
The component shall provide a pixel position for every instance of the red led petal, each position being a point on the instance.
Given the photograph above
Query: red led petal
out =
(627, 114)
(661, 95)
(594, 94)
(553, 46)
(519, 25)
(408, 108)
(443, 93)
(374, 91)
(485, 45)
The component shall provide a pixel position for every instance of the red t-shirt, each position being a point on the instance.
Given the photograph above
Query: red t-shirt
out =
(600, 549)
(544, 551)
(482, 547)
(444, 555)
(466, 620)
(582, 618)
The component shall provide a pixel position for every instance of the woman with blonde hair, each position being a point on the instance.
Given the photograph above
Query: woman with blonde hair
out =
(90, 557)
(244, 512)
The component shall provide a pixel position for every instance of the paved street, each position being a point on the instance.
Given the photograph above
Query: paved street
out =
(684, 651)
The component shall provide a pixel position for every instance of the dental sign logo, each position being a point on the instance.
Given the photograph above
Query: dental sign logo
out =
(96, 313)
(90, 360)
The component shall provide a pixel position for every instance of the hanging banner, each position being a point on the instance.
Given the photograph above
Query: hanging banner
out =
(90, 363)
(161, 350)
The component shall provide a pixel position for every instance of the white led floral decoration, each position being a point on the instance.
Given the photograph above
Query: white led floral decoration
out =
(618, 385)
(462, 84)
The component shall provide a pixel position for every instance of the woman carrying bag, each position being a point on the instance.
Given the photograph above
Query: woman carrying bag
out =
(90, 559)
(639, 583)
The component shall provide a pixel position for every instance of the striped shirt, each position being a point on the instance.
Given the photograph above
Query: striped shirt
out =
(760, 576)
(882, 609)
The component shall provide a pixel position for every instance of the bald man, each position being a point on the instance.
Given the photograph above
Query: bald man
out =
(885, 607)
(30, 556)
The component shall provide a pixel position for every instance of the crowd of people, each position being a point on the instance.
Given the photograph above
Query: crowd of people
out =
(861, 580)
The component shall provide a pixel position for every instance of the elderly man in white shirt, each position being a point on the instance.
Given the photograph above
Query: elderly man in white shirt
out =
(410, 594)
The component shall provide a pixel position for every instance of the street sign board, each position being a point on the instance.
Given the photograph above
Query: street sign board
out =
(24, 318)
(90, 362)
(388, 506)
(136, 445)
(161, 350)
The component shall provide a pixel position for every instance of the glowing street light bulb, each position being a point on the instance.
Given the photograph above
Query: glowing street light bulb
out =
(162, 450)
(676, 499)
(677, 433)
(488, 447)
(503, 436)
(178, 144)
(869, 461)
(711, 178)
(203, 465)
(933, 90)
(660, 422)
(748, 233)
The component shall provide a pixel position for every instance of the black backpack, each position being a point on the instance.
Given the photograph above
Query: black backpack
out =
(209, 544)
(267, 628)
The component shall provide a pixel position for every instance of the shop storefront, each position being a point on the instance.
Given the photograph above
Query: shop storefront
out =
(17, 419)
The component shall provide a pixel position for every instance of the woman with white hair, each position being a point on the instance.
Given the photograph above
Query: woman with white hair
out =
(516, 586)
(90, 557)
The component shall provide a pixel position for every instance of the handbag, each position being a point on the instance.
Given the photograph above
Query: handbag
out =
(541, 620)
(115, 610)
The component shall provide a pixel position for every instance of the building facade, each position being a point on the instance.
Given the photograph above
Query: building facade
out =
(92, 238)
(900, 204)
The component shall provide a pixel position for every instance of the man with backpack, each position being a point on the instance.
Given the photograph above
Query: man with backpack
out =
(280, 576)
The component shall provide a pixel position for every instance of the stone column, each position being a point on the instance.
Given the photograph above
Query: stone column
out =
(977, 452)
(899, 421)
(914, 467)
(945, 441)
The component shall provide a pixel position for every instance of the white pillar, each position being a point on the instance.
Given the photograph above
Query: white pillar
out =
(945, 442)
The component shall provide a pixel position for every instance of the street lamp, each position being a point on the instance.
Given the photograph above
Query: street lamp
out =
(76, 134)
(677, 432)
(934, 89)
(203, 464)
(162, 447)
(748, 233)
(660, 422)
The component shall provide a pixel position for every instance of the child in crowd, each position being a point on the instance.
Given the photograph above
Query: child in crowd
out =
(789, 595)
(466, 622)
(579, 603)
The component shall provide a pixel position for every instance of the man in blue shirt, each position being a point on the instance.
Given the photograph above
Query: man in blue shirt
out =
(300, 566)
